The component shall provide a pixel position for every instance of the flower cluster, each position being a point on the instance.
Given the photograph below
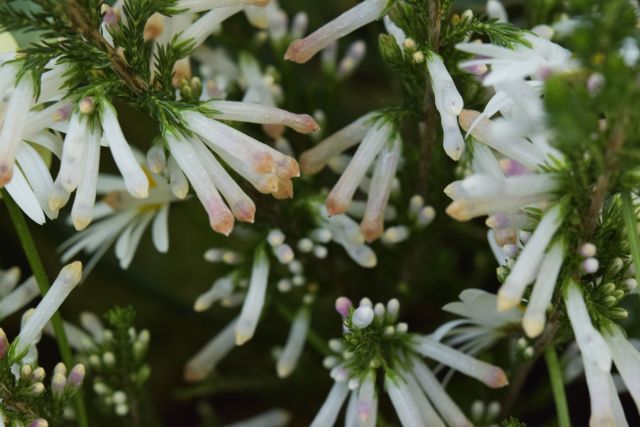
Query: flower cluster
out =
(251, 290)
(374, 343)
(24, 395)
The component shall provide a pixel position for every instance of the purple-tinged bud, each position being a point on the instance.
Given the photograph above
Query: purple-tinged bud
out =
(512, 167)
(76, 376)
(497, 221)
(590, 265)
(343, 304)
(87, 105)
(476, 69)
(62, 113)
(588, 250)
(109, 16)
(362, 317)
(40, 422)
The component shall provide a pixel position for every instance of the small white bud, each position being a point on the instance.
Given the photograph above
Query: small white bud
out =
(362, 317)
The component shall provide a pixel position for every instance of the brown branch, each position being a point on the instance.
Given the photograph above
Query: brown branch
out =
(431, 122)
(81, 21)
(613, 147)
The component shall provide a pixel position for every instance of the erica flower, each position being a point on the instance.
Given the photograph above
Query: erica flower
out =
(268, 170)
(14, 297)
(30, 182)
(30, 332)
(123, 219)
(344, 231)
(415, 393)
(302, 50)
(449, 104)
(379, 143)
(598, 352)
(479, 325)
(537, 61)
(236, 288)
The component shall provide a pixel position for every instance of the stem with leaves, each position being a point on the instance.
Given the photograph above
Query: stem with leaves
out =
(37, 268)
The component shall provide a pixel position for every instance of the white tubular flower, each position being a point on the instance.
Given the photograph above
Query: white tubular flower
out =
(372, 224)
(345, 232)
(367, 402)
(313, 160)
(19, 189)
(195, 6)
(67, 279)
(123, 220)
(449, 104)
(302, 50)
(205, 361)
(268, 170)
(525, 269)
(328, 413)
(36, 173)
(221, 288)
(447, 408)
(417, 396)
(481, 194)
(240, 204)
(354, 56)
(177, 179)
(592, 344)
(220, 217)
(403, 402)
(207, 24)
(13, 127)
(480, 325)
(134, 177)
(397, 32)
(484, 130)
(427, 412)
(495, 9)
(13, 297)
(342, 193)
(271, 418)
(490, 375)
(606, 409)
(288, 359)
(85, 200)
(627, 360)
(262, 114)
(534, 317)
(254, 301)
(71, 165)
(538, 61)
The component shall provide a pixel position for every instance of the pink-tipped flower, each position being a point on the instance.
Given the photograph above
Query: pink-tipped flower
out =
(302, 50)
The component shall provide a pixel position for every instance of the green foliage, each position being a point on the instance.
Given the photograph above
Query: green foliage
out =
(26, 393)
(512, 422)
(118, 371)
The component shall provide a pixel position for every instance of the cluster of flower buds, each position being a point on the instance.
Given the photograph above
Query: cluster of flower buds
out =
(98, 346)
(235, 288)
(415, 393)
